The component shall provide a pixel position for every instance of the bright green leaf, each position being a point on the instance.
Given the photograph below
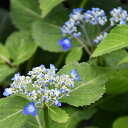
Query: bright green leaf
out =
(116, 39)
(121, 122)
(11, 112)
(20, 46)
(74, 55)
(24, 12)
(46, 6)
(90, 89)
(57, 114)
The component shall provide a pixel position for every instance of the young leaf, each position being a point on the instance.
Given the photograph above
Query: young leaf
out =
(74, 55)
(24, 12)
(57, 114)
(47, 36)
(20, 46)
(121, 122)
(75, 116)
(46, 6)
(90, 89)
(11, 112)
(115, 40)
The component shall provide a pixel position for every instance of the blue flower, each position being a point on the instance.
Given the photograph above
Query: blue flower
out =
(7, 91)
(75, 75)
(16, 76)
(57, 103)
(65, 43)
(30, 109)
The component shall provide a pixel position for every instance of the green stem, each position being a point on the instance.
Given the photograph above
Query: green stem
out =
(60, 59)
(83, 3)
(46, 118)
(84, 46)
(38, 121)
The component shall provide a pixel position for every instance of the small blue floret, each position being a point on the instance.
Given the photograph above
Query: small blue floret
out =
(57, 103)
(7, 91)
(65, 43)
(75, 75)
(30, 109)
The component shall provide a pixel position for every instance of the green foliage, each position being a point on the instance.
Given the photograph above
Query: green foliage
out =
(24, 12)
(47, 6)
(20, 46)
(93, 79)
(57, 114)
(47, 36)
(115, 40)
(5, 71)
(75, 116)
(11, 112)
(121, 122)
(118, 82)
(74, 55)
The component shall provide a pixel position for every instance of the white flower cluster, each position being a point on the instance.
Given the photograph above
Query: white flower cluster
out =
(100, 37)
(118, 16)
(43, 85)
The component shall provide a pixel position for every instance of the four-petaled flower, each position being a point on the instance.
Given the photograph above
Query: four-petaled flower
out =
(75, 75)
(30, 109)
(7, 91)
(65, 43)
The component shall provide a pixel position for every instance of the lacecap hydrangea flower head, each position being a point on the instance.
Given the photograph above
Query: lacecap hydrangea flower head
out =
(42, 85)
(76, 25)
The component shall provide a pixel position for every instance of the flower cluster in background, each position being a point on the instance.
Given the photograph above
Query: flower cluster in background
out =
(43, 85)
(72, 28)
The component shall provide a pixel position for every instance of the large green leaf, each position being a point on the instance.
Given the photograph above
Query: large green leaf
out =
(90, 89)
(75, 116)
(118, 82)
(115, 59)
(47, 36)
(11, 112)
(46, 6)
(4, 54)
(5, 71)
(20, 46)
(74, 55)
(24, 12)
(115, 40)
(121, 122)
(57, 114)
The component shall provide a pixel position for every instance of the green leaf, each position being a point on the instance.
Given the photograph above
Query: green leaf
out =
(74, 55)
(47, 36)
(115, 59)
(5, 71)
(120, 101)
(6, 26)
(11, 112)
(121, 122)
(4, 54)
(20, 46)
(118, 82)
(24, 12)
(115, 40)
(75, 116)
(47, 6)
(90, 89)
(57, 114)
